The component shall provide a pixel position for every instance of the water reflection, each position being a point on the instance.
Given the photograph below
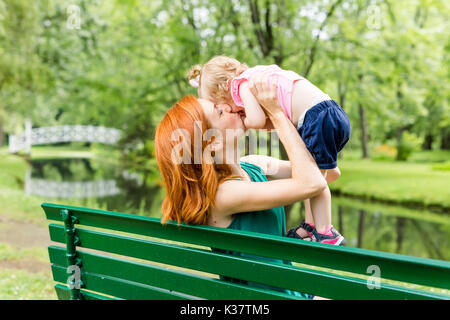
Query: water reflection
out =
(95, 184)
(92, 183)
(388, 228)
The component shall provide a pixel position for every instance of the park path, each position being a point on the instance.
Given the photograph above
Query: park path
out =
(22, 235)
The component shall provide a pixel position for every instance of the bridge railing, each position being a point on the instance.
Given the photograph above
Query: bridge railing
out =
(66, 133)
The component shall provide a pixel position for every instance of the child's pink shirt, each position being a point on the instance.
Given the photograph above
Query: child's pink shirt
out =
(286, 80)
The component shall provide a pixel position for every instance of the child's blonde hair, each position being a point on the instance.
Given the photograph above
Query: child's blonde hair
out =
(214, 75)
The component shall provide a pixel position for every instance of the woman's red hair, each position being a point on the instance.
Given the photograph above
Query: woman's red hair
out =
(190, 188)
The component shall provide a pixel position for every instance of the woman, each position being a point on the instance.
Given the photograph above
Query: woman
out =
(205, 185)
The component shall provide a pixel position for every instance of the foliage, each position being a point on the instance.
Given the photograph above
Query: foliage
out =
(386, 62)
(407, 146)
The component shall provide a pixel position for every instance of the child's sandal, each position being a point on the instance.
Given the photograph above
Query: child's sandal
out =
(305, 226)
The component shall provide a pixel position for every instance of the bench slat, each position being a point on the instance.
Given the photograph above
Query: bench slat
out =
(428, 272)
(164, 278)
(120, 288)
(273, 274)
(63, 293)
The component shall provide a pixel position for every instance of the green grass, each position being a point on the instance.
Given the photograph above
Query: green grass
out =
(406, 183)
(422, 156)
(14, 203)
(11, 253)
(22, 285)
(430, 156)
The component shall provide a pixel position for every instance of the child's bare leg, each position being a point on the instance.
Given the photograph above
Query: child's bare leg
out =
(321, 208)
(309, 218)
(318, 215)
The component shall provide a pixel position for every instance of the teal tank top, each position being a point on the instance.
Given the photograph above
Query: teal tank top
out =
(272, 221)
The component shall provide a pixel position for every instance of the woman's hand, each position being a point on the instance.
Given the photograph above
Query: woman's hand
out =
(266, 95)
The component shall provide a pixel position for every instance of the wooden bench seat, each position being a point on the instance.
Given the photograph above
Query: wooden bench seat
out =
(137, 257)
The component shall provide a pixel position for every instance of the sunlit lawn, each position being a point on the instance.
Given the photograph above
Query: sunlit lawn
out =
(407, 183)
(17, 284)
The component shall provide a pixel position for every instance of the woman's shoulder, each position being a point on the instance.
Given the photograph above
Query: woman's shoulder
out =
(257, 160)
(254, 164)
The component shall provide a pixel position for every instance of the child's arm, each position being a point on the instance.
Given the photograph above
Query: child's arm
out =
(255, 116)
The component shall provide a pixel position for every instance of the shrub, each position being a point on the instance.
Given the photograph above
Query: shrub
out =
(408, 145)
(384, 152)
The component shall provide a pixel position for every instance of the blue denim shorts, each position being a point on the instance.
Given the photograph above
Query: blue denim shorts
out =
(325, 131)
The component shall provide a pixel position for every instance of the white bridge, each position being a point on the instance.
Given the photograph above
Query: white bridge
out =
(69, 133)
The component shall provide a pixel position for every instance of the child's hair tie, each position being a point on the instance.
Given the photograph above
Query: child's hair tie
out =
(195, 82)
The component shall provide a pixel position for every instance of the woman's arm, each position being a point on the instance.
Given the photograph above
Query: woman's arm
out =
(255, 118)
(305, 182)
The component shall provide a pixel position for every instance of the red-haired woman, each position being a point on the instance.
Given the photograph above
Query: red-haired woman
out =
(206, 183)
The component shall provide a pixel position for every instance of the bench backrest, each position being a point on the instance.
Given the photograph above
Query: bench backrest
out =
(152, 266)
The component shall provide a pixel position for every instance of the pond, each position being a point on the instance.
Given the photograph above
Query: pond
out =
(95, 184)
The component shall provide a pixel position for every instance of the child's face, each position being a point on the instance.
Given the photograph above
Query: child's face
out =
(220, 116)
(234, 107)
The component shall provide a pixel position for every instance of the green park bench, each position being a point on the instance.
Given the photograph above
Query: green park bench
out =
(136, 257)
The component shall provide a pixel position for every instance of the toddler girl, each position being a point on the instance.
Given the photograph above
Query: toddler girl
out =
(320, 121)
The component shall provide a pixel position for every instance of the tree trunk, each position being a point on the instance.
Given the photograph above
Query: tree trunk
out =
(313, 50)
(364, 132)
(263, 36)
(445, 139)
(2, 134)
(428, 142)
(399, 138)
